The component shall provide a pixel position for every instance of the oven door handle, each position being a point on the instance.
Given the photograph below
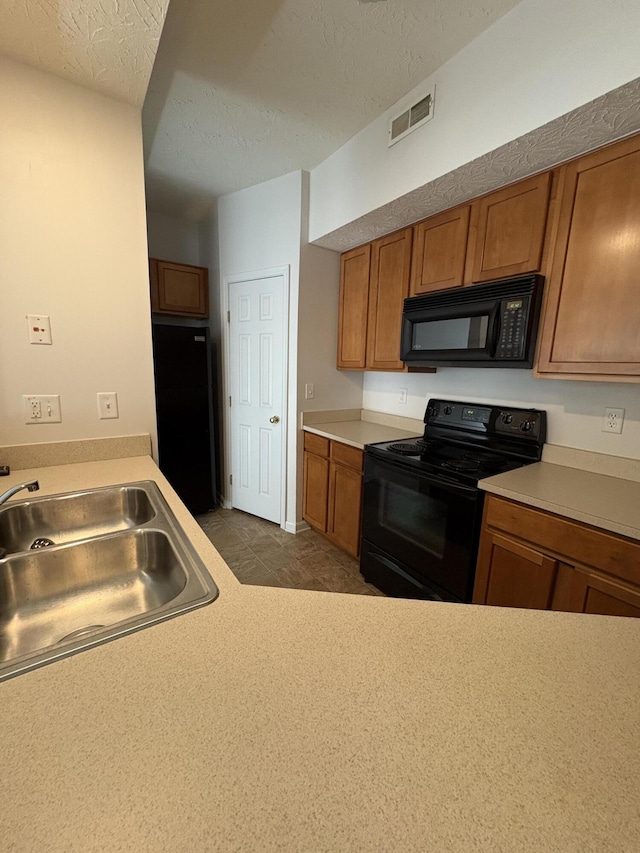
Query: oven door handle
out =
(435, 479)
(394, 567)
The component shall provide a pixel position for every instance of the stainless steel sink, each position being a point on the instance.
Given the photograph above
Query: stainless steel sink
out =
(75, 516)
(97, 585)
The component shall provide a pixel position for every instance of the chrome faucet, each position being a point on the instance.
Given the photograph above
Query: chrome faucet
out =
(32, 486)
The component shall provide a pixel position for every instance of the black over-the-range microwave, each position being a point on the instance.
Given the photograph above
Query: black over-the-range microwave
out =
(485, 325)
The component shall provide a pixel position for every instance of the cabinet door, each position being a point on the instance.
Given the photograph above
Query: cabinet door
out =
(439, 250)
(592, 317)
(353, 309)
(345, 500)
(179, 289)
(579, 591)
(511, 228)
(512, 575)
(315, 491)
(388, 288)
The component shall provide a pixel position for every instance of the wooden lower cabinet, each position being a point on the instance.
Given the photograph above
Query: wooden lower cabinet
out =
(515, 575)
(581, 591)
(332, 491)
(533, 559)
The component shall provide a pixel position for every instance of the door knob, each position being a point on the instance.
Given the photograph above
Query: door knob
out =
(274, 419)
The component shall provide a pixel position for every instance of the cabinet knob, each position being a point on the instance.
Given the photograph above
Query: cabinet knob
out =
(274, 419)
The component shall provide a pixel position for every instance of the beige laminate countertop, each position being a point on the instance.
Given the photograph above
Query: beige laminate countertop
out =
(610, 503)
(359, 433)
(299, 721)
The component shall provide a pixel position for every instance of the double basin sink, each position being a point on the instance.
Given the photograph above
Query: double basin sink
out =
(82, 568)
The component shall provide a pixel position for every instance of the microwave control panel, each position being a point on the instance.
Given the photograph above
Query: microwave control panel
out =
(513, 328)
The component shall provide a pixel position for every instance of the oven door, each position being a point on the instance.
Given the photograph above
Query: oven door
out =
(428, 527)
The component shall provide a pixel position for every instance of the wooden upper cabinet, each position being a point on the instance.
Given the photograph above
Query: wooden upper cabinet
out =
(439, 251)
(353, 308)
(511, 225)
(179, 289)
(591, 326)
(388, 288)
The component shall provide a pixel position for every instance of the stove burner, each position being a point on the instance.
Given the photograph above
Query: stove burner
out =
(408, 448)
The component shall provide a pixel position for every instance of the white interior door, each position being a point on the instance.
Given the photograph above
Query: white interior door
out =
(257, 372)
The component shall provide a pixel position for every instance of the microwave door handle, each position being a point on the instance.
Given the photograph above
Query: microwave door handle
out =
(494, 336)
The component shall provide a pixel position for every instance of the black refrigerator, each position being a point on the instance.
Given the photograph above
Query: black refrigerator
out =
(184, 407)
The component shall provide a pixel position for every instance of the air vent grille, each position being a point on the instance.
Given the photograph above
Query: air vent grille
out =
(412, 117)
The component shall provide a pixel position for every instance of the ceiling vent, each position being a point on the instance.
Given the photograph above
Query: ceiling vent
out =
(412, 117)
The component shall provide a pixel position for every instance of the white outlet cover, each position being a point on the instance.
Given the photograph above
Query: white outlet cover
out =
(613, 420)
(39, 329)
(107, 405)
(42, 409)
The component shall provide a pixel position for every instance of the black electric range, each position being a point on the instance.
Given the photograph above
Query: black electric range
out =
(422, 507)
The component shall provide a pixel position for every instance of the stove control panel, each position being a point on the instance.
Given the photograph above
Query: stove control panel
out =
(519, 422)
(526, 424)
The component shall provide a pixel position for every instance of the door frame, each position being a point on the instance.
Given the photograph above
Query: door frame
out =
(237, 278)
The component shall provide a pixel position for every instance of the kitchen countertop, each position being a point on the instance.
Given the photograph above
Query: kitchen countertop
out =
(291, 720)
(359, 433)
(610, 503)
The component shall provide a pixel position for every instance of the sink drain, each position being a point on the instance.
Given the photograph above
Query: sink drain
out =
(41, 543)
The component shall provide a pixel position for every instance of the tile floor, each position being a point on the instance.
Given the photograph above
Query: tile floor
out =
(260, 553)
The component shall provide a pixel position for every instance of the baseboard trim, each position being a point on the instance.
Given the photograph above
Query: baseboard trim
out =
(298, 527)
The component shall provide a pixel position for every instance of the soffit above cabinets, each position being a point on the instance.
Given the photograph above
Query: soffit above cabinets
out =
(109, 47)
(244, 91)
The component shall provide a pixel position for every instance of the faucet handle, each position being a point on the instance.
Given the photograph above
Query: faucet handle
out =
(5, 470)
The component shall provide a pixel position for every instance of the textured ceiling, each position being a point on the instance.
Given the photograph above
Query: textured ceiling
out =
(246, 90)
(105, 45)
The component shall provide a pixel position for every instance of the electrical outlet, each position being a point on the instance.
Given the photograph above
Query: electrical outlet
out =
(612, 420)
(42, 409)
(403, 396)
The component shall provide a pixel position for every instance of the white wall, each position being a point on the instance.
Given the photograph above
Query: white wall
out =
(318, 327)
(258, 229)
(536, 63)
(73, 246)
(173, 239)
(575, 409)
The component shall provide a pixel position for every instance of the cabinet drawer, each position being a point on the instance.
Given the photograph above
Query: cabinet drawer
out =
(572, 540)
(346, 455)
(316, 444)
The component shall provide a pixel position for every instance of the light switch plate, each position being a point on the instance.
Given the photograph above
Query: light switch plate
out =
(39, 329)
(107, 405)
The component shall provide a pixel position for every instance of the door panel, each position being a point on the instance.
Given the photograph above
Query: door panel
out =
(257, 331)
(591, 323)
(353, 311)
(439, 251)
(579, 591)
(389, 287)
(511, 228)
